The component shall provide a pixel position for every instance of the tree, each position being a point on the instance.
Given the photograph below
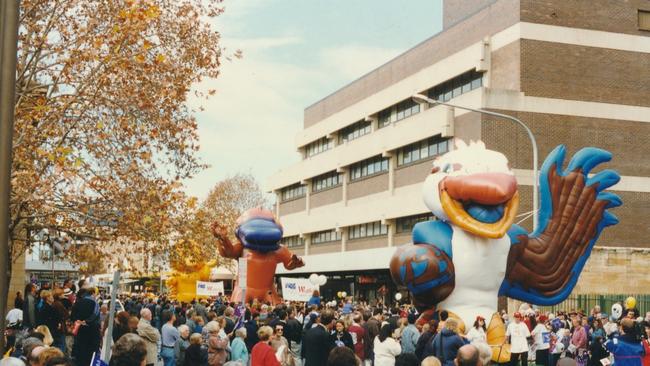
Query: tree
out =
(103, 136)
(227, 200)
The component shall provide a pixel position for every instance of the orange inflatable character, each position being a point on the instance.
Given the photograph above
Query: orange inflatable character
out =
(258, 234)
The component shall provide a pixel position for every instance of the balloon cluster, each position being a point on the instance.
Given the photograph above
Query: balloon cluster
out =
(317, 280)
(341, 294)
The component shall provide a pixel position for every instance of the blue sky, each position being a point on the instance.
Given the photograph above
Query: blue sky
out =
(295, 53)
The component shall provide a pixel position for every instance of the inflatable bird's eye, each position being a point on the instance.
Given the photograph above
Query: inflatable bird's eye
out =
(447, 168)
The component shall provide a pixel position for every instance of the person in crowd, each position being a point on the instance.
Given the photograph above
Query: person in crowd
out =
(541, 337)
(182, 344)
(150, 335)
(446, 343)
(238, 350)
(217, 350)
(293, 333)
(120, 325)
(250, 323)
(341, 337)
(85, 315)
(342, 356)
(263, 354)
(579, 341)
(314, 299)
(518, 333)
(597, 329)
(386, 347)
(47, 335)
(281, 345)
(48, 354)
(371, 329)
(229, 317)
(431, 361)
(358, 333)
(645, 342)
(18, 301)
(129, 350)
(428, 332)
(201, 310)
(29, 307)
(410, 335)
(169, 337)
(468, 355)
(12, 361)
(407, 359)
(484, 352)
(597, 351)
(316, 343)
(626, 348)
(196, 353)
(51, 318)
(477, 332)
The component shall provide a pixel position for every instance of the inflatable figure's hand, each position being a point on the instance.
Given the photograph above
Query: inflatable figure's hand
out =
(295, 262)
(225, 247)
(219, 231)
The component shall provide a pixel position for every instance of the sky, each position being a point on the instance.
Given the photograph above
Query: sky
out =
(295, 52)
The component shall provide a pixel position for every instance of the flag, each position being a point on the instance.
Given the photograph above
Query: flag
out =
(97, 361)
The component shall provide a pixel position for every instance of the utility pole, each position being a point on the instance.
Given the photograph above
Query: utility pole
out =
(9, 11)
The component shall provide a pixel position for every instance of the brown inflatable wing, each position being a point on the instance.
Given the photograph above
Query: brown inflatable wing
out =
(544, 267)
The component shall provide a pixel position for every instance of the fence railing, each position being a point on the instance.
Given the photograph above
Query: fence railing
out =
(586, 302)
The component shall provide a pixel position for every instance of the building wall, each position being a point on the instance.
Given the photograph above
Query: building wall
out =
(506, 67)
(334, 246)
(604, 15)
(367, 243)
(366, 186)
(489, 20)
(293, 206)
(299, 251)
(401, 238)
(326, 197)
(593, 74)
(413, 173)
(454, 11)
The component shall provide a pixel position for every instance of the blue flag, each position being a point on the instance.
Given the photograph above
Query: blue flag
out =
(97, 361)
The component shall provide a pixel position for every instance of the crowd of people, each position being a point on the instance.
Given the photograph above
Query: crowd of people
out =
(67, 325)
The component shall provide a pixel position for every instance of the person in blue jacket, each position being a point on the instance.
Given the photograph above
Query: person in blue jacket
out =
(445, 344)
(626, 348)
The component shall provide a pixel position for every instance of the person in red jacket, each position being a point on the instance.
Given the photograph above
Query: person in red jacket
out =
(262, 353)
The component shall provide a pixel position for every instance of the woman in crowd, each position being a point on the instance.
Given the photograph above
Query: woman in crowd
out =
(428, 332)
(341, 337)
(120, 325)
(50, 317)
(446, 343)
(541, 336)
(386, 348)
(263, 354)
(196, 353)
(477, 332)
(281, 346)
(238, 350)
(182, 344)
(129, 350)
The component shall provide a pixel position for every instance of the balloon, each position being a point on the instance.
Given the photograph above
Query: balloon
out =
(617, 311)
(630, 303)
(398, 296)
(339, 294)
(322, 279)
(313, 278)
(344, 294)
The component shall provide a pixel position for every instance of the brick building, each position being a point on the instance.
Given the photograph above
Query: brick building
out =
(576, 72)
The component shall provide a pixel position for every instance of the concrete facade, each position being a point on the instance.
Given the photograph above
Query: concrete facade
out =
(576, 72)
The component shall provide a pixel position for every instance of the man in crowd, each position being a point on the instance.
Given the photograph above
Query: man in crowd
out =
(410, 335)
(150, 335)
(316, 343)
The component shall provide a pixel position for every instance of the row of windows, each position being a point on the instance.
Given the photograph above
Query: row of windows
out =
(422, 149)
(325, 181)
(294, 191)
(403, 109)
(354, 131)
(318, 146)
(325, 236)
(452, 88)
(406, 224)
(366, 230)
(368, 167)
(293, 241)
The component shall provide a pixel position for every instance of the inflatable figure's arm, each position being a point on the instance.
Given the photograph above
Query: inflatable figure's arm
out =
(286, 257)
(226, 248)
(543, 267)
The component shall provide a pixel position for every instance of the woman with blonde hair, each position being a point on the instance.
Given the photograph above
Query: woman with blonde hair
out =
(445, 344)
(52, 318)
(47, 336)
(262, 353)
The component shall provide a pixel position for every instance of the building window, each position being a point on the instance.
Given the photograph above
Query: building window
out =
(406, 109)
(293, 241)
(354, 131)
(368, 167)
(325, 236)
(461, 84)
(644, 20)
(422, 150)
(325, 181)
(406, 224)
(367, 230)
(294, 191)
(385, 117)
(318, 146)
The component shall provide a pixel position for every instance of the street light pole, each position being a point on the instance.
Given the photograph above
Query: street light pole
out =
(422, 98)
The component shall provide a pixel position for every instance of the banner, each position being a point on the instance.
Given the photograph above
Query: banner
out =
(297, 289)
(209, 288)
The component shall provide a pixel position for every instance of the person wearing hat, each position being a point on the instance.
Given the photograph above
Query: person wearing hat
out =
(477, 332)
(517, 333)
(410, 335)
(541, 335)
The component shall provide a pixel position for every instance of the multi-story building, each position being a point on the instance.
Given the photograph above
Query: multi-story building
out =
(576, 72)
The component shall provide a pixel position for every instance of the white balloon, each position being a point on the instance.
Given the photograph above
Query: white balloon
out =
(322, 279)
(617, 311)
(313, 278)
(344, 294)
(398, 296)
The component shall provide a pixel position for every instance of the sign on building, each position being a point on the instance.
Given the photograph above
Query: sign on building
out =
(209, 288)
(297, 289)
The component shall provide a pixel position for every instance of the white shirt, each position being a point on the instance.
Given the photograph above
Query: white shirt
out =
(518, 333)
(538, 334)
(386, 351)
(476, 335)
(14, 316)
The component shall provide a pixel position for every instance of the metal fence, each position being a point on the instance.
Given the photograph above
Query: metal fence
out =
(586, 302)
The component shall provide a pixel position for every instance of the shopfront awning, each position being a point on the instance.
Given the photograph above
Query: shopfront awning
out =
(357, 260)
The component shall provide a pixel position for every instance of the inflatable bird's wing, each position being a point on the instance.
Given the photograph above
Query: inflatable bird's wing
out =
(543, 267)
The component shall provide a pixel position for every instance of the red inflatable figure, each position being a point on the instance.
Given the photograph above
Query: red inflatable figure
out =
(258, 234)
